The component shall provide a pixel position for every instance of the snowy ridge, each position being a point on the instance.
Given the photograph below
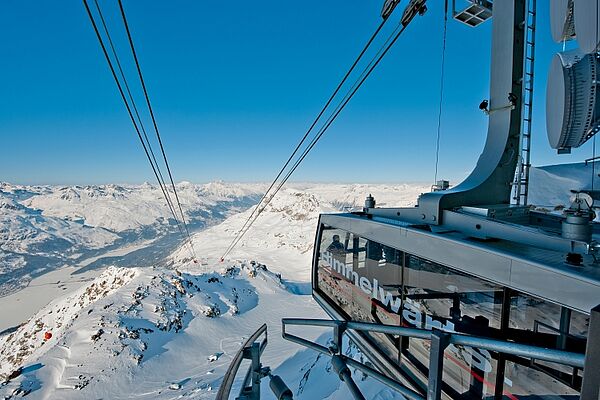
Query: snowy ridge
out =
(120, 208)
(118, 322)
(57, 318)
(132, 331)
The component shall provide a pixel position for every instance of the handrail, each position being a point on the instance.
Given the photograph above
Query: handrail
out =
(232, 370)
(501, 346)
(248, 376)
(439, 341)
(406, 392)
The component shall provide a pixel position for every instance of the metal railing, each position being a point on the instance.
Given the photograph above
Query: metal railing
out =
(248, 351)
(440, 340)
(250, 390)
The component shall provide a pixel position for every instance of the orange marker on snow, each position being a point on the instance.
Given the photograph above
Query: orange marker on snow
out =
(47, 335)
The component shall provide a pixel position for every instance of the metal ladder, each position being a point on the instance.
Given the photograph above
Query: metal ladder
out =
(522, 176)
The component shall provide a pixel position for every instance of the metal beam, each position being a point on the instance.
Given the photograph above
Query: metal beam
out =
(476, 226)
(490, 181)
(590, 389)
(439, 342)
(340, 368)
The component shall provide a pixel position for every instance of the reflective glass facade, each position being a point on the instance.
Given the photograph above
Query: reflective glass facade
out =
(367, 281)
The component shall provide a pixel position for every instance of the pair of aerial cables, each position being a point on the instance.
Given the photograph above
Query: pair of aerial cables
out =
(414, 8)
(137, 120)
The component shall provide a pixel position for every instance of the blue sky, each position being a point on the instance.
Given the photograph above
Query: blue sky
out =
(234, 86)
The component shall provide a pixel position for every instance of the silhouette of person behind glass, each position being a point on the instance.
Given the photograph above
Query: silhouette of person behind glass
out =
(336, 248)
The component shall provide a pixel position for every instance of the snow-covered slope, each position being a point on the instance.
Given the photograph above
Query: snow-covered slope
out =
(170, 332)
(121, 208)
(155, 335)
(285, 230)
(551, 185)
(46, 227)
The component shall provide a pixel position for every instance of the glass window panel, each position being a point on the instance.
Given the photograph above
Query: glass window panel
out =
(449, 299)
(383, 282)
(542, 323)
(470, 371)
(366, 281)
(524, 382)
(437, 296)
(331, 269)
(529, 313)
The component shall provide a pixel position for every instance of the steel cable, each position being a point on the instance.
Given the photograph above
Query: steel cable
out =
(314, 123)
(162, 149)
(368, 70)
(135, 109)
(129, 111)
(439, 122)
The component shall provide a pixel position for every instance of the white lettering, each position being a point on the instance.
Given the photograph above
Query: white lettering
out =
(326, 256)
(480, 358)
(351, 275)
(339, 266)
(365, 285)
(388, 300)
(431, 323)
(411, 314)
(375, 288)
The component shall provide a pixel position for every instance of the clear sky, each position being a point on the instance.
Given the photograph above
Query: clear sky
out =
(235, 84)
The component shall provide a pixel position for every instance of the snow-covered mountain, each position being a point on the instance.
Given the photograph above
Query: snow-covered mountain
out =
(46, 227)
(121, 208)
(170, 332)
(31, 242)
(552, 185)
